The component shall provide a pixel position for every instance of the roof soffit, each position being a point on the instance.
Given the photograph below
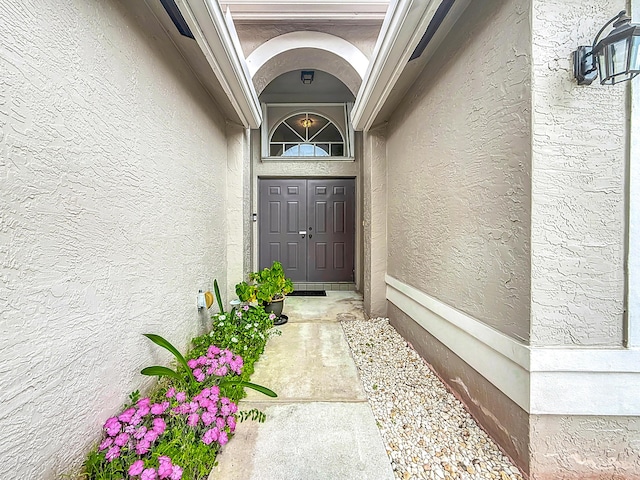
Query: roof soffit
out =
(390, 74)
(218, 41)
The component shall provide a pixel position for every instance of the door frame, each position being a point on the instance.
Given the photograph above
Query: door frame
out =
(358, 247)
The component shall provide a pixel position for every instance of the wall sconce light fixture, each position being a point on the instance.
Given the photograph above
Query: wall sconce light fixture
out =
(306, 76)
(616, 57)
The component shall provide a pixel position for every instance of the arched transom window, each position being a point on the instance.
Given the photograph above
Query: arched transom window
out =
(307, 135)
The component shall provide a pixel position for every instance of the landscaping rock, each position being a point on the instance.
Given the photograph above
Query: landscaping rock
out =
(427, 432)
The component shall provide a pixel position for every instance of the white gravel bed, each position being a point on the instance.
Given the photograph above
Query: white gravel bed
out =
(427, 432)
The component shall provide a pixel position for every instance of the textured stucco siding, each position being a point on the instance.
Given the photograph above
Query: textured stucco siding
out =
(585, 448)
(578, 144)
(374, 167)
(112, 216)
(458, 155)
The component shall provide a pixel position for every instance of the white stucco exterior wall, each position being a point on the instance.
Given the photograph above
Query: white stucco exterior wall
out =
(578, 203)
(238, 157)
(580, 155)
(458, 163)
(578, 405)
(374, 181)
(112, 216)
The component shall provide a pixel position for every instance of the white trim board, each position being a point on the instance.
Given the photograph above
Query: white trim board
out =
(542, 381)
(633, 196)
(308, 10)
(404, 25)
(218, 41)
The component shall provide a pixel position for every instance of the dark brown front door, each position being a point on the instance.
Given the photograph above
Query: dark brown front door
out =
(309, 226)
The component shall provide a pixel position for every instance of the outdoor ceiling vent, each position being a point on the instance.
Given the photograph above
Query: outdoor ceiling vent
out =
(432, 28)
(178, 20)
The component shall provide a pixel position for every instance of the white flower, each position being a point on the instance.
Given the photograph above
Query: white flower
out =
(234, 339)
(222, 317)
(221, 324)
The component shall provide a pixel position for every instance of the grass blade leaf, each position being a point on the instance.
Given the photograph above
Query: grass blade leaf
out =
(259, 388)
(158, 340)
(158, 371)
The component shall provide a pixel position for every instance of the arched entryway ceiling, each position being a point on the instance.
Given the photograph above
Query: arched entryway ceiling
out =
(307, 59)
(315, 40)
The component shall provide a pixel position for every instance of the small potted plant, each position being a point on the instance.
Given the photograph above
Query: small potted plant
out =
(268, 287)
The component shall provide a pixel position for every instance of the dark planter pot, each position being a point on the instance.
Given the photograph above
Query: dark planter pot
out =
(276, 307)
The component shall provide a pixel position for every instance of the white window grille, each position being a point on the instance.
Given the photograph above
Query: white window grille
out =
(307, 133)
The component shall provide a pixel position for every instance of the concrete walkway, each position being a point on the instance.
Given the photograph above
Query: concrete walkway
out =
(320, 427)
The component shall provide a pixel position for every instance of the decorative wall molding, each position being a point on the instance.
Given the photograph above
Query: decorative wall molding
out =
(542, 381)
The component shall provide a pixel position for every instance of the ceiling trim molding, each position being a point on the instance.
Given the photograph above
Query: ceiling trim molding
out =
(308, 39)
(217, 38)
(295, 10)
(401, 32)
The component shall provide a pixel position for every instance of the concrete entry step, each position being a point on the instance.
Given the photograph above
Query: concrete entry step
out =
(323, 309)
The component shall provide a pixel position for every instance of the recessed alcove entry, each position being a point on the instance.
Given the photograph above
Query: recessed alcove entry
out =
(309, 226)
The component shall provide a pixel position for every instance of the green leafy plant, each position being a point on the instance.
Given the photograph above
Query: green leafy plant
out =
(160, 371)
(216, 290)
(172, 429)
(190, 378)
(176, 430)
(265, 286)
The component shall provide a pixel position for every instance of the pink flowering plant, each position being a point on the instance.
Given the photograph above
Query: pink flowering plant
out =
(130, 438)
(176, 432)
(244, 331)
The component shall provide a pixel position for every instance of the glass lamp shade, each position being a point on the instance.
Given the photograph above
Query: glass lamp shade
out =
(618, 54)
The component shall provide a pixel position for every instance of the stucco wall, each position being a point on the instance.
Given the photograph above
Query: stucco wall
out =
(578, 208)
(374, 224)
(576, 447)
(459, 170)
(112, 178)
